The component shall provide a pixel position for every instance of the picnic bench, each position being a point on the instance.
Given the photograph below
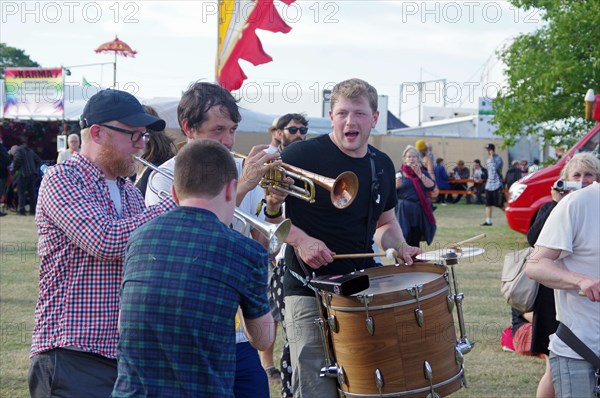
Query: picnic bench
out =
(461, 191)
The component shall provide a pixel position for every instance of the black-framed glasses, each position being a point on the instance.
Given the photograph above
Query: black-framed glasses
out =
(294, 129)
(135, 135)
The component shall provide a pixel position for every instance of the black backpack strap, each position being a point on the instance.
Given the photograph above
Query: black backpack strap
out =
(569, 338)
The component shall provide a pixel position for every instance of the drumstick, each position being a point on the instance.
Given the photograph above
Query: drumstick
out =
(462, 242)
(358, 255)
(389, 253)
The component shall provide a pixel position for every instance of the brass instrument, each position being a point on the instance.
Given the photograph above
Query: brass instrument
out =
(275, 234)
(343, 189)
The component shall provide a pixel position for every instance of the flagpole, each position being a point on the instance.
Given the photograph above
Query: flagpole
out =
(218, 38)
(115, 72)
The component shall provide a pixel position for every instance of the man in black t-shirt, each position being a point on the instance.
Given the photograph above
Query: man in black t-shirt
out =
(321, 230)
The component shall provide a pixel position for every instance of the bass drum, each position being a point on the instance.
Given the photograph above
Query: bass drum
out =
(397, 338)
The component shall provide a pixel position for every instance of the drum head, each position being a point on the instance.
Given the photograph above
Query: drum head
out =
(383, 284)
(439, 255)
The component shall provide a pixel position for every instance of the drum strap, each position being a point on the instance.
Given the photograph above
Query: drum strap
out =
(375, 201)
(304, 281)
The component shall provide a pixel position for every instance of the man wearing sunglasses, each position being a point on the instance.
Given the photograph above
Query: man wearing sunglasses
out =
(85, 214)
(291, 127)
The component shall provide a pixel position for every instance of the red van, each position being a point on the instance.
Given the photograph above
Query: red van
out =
(527, 195)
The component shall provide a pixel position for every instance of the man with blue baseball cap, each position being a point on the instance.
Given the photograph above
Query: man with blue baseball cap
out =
(85, 214)
(118, 106)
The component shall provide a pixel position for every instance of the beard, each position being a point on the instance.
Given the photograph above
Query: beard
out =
(117, 164)
(285, 141)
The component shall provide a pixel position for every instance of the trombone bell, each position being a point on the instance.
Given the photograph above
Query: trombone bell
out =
(275, 234)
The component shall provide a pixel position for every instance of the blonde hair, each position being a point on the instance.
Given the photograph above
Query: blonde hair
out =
(353, 89)
(408, 149)
(586, 161)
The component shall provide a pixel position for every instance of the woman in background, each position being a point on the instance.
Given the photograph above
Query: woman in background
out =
(158, 150)
(414, 210)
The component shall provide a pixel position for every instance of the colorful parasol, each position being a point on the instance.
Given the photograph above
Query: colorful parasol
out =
(117, 47)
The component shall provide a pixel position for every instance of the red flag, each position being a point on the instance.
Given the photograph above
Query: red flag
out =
(238, 21)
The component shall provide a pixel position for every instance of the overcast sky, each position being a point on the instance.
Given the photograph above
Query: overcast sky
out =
(386, 43)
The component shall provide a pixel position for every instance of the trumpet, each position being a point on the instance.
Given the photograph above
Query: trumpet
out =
(342, 190)
(275, 234)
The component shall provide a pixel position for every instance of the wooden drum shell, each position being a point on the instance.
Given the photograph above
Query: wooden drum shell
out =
(398, 347)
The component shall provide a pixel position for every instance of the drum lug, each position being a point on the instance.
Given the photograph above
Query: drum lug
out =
(379, 383)
(428, 371)
(370, 323)
(450, 301)
(332, 322)
(419, 316)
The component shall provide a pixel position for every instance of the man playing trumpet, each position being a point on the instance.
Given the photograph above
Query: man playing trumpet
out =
(322, 230)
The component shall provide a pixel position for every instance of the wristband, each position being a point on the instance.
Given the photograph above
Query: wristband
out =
(277, 214)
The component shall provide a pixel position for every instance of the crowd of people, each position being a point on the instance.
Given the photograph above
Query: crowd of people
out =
(159, 289)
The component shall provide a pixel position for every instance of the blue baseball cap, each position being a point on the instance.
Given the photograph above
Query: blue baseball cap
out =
(108, 105)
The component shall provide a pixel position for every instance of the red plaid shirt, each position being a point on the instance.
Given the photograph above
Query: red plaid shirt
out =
(81, 244)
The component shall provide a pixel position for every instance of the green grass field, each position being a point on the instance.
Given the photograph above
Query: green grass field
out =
(490, 372)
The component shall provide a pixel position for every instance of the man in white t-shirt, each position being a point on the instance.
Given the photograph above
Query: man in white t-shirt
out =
(567, 259)
(207, 111)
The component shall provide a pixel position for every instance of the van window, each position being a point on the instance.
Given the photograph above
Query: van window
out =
(592, 144)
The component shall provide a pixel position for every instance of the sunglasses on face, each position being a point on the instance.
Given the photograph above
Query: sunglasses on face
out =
(135, 135)
(294, 130)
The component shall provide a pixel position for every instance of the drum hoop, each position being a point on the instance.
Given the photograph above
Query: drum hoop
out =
(392, 305)
(411, 392)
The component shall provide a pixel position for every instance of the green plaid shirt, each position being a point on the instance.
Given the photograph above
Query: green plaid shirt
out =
(185, 275)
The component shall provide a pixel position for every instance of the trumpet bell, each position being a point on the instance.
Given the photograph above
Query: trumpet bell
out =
(344, 190)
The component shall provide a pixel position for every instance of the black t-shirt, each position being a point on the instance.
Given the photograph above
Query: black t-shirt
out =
(342, 230)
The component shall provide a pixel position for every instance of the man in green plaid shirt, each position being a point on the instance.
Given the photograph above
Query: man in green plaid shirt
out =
(185, 275)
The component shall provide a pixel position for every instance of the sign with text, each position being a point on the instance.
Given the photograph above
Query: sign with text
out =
(33, 93)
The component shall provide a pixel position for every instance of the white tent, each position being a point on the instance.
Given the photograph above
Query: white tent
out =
(252, 122)
(76, 96)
